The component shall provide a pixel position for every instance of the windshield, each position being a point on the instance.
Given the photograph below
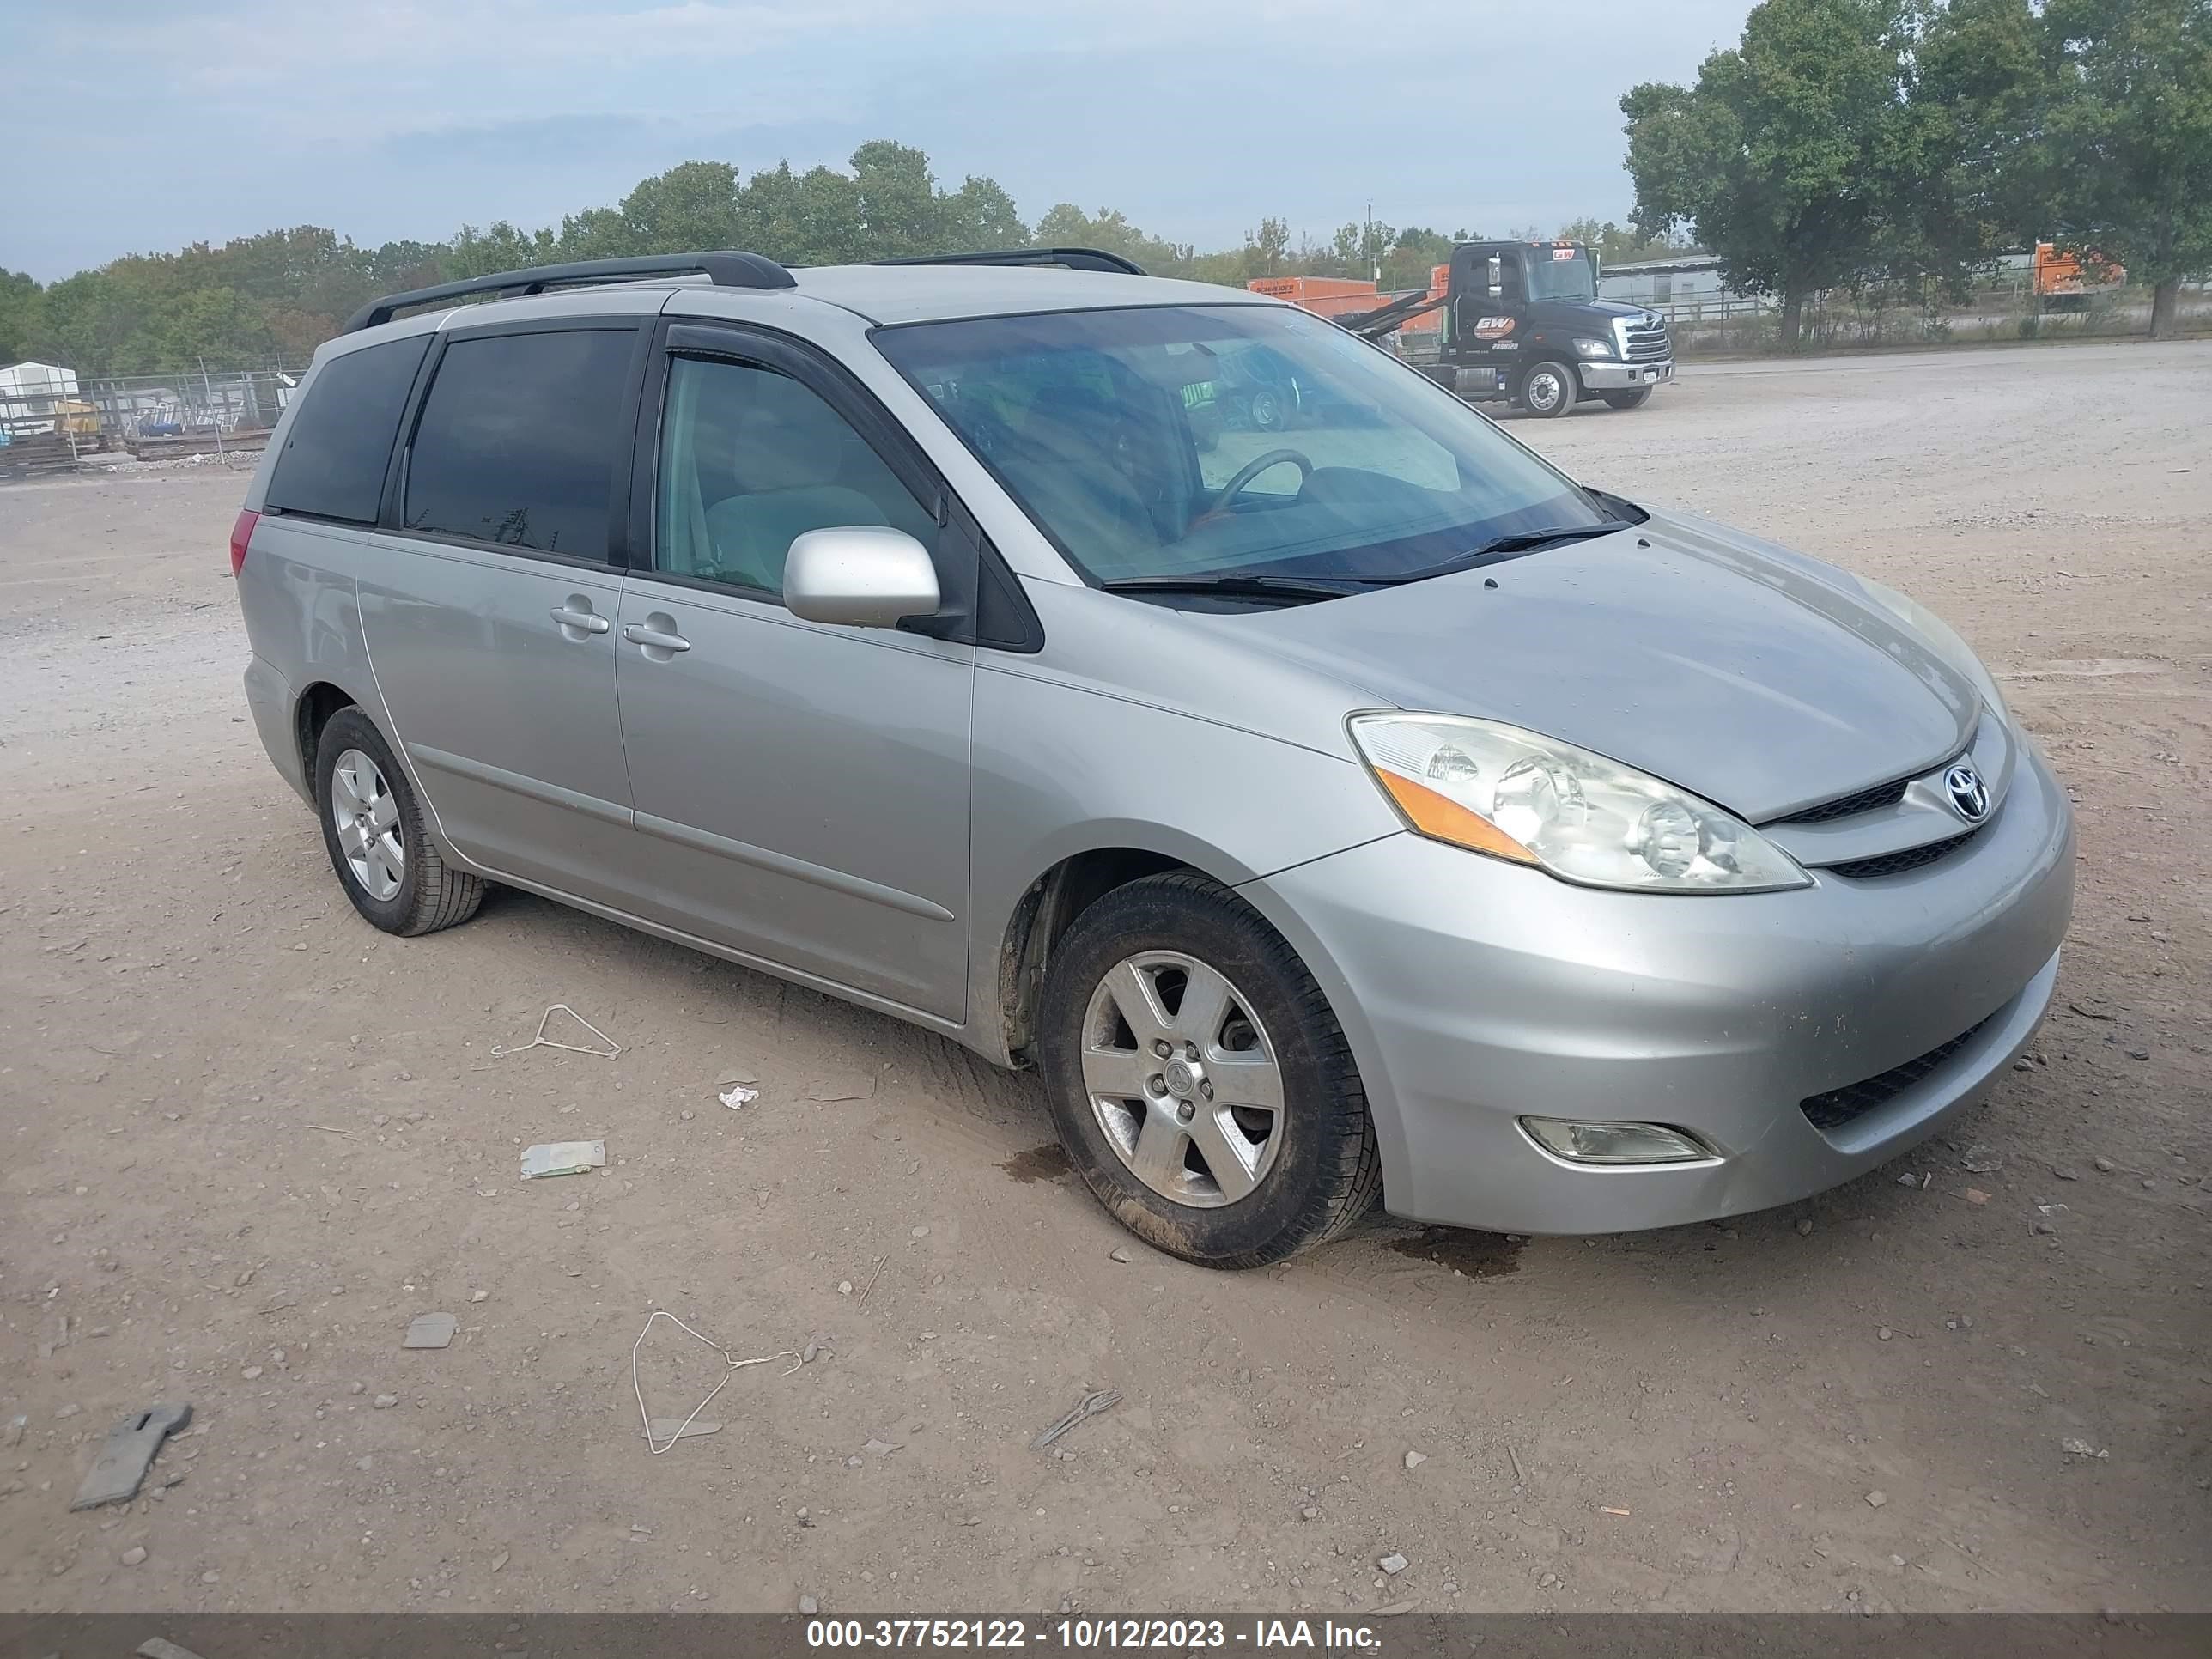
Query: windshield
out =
(1239, 439)
(1560, 273)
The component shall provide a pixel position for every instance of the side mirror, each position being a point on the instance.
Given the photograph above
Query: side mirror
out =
(860, 575)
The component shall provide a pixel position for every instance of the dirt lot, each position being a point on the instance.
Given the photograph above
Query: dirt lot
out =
(244, 1140)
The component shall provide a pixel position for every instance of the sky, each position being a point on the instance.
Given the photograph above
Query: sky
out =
(159, 123)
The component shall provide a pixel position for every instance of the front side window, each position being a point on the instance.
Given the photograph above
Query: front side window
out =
(518, 440)
(751, 458)
(1191, 442)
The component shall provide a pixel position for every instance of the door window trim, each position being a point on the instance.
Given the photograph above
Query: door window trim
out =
(984, 606)
(390, 519)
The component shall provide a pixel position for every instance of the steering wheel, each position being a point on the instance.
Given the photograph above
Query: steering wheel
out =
(1251, 469)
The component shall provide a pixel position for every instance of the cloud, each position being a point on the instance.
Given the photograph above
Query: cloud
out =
(403, 117)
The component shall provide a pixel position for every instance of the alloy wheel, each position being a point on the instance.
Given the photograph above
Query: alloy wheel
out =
(1183, 1079)
(366, 815)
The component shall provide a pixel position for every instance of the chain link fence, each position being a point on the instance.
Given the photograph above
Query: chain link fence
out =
(62, 421)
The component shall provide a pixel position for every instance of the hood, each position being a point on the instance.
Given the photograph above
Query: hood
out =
(1764, 681)
(1541, 310)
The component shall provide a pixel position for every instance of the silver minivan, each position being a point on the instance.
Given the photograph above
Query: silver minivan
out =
(1351, 813)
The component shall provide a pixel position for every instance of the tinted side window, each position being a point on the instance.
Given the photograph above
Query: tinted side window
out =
(518, 439)
(340, 440)
(751, 460)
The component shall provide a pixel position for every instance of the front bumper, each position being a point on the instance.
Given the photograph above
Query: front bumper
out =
(1600, 376)
(1474, 993)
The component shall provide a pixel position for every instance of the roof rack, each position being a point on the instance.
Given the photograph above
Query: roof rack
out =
(726, 267)
(1074, 258)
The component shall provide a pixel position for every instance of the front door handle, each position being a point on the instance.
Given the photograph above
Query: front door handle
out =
(656, 634)
(586, 621)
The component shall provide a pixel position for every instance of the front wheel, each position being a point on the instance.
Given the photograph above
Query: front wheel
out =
(1634, 398)
(1549, 390)
(1199, 1080)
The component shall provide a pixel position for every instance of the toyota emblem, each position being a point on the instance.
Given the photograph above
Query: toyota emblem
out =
(1970, 796)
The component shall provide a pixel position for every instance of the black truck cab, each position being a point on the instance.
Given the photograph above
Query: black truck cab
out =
(1522, 322)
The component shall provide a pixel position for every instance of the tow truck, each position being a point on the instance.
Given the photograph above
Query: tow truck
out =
(1522, 324)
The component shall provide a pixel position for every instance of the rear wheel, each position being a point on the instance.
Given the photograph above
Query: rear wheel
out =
(1634, 398)
(1270, 410)
(374, 829)
(1199, 1080)
(1549, 389)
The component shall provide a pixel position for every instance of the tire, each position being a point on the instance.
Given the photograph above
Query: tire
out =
(1292, 1176)
(396, 879)
(1269, 410)
(1543, 375)
(1632, 398)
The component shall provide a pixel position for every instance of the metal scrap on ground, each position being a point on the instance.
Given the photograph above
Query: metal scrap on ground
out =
(561, 1157)
(1089, 1405)
(127, 1453)
(431, 1330)
(652, 1423)
(608, 1051)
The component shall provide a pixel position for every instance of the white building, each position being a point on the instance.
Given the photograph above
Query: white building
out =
(28, 392)
(1663, 282)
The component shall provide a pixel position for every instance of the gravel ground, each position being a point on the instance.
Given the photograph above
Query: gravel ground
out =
(245, 1139)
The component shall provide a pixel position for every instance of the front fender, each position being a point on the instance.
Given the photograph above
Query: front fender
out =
(1062, 769)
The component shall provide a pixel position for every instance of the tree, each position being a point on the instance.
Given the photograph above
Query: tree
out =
(1110, 231)
(1414, 253)
(690, 207)
(500, 246)
(1270, 245)
(1783, 159)
(2125, 159)
(1616, 246)
(979, 215)
(18, 298)
(901, 211)
(800, 218)
(1973, 85)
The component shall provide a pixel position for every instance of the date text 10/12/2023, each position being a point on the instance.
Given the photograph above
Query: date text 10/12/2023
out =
(1093, 1635)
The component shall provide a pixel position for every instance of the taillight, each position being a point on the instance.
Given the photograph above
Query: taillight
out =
(241, 532)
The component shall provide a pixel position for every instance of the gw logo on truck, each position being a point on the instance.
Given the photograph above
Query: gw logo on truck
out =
(1492, 328)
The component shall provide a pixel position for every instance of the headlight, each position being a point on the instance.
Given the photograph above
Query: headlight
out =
(1590, 348)
(1495, 789)
(1942, 640)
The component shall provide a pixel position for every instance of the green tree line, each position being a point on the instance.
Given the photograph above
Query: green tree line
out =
(1849, 143)
(284, 291)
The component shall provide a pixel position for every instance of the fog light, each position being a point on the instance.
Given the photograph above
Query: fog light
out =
(1613, 1143)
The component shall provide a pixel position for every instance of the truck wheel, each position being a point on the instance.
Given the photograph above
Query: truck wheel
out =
(1200, 1082)
(374, 829)
(1549, 389)
(1634, 398)
(1269, 409)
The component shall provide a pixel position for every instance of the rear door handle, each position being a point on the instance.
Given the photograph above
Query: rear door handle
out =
(585, 620)
(654, 639)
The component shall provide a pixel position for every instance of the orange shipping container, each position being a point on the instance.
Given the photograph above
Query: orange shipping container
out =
(1299, 289)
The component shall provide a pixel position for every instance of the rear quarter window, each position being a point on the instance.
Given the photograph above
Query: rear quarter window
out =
(340, 440)
(518, 440)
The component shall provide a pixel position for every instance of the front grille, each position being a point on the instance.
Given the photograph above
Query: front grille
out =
(1844, 806)
(1839, 1106)
(1896, 864)
(1648, 342)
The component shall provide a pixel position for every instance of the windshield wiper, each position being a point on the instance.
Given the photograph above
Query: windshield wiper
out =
(1289, 588)
(1522, 541)
(1337, 586)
